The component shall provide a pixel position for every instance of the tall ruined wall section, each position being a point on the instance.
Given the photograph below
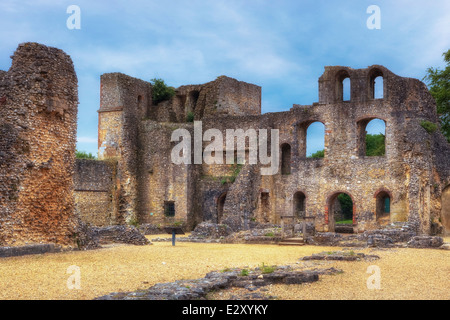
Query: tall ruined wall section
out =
(223, 96)
(124, 102)
(38, 114)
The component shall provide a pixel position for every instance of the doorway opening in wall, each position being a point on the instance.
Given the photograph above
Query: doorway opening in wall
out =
(265, 206)
(299, 205)
(220, 206)
(340, 211)
(445, 210)
(383, 208)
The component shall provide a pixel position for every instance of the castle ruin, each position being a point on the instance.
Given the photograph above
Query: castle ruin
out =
(409, 183)
(43, 190)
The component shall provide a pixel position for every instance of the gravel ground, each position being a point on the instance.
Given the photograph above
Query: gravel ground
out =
(405, 273)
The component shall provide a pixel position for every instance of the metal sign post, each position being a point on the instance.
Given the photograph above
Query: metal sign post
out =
(174, 231)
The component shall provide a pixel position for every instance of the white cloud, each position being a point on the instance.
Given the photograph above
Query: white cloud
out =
(87, 140)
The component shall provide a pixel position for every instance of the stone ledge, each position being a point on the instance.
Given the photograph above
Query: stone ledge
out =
(28, 249)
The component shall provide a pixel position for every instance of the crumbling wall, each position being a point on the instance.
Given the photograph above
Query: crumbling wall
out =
(413, 172)
(38, 114)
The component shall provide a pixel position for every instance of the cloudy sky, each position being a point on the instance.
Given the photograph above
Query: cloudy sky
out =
(281, 45)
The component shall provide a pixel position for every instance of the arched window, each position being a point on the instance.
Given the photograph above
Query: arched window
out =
(315, 140)
(343, 86)
(376, 84)
(285, 159)
(371, 137)
(383, 208)
(299, 205)
(311, 139)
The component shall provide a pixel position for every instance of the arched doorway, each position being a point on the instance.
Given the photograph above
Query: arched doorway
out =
(383, 208)
(340, 213)
(445, 209)
(220, 205)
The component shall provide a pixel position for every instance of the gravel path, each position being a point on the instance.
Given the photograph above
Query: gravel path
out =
(406, 273)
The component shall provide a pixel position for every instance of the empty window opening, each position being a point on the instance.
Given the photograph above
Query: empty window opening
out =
(343, 86)
(372, 137)
(378, 92)
(285, 159)
(346, 89)
(376, 84)
(315, 140)
(340, 211)
(169, 208)
(193, 98)
(299, 205)
(220, 206)
(383, 208)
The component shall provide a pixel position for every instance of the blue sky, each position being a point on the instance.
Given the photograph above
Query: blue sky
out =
(280, 45)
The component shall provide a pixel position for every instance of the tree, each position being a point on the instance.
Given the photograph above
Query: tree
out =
(375, 144)
(438, 82)
(84, 155)
(161, 91)
(318, 154)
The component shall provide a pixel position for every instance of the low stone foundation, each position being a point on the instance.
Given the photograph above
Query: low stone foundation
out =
(213, 281)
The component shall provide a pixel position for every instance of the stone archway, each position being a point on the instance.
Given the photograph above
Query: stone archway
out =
(340, 212)
(445, 209)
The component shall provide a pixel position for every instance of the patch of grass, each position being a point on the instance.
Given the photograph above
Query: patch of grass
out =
(349, 221)
(270, 234)
(244, 272)
(267, 269)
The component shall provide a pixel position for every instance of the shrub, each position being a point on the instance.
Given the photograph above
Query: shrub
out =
(161, 91)
(318, 154)
(190, 117)
(430, 127)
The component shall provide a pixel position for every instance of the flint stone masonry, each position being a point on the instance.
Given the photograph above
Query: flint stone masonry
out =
(414, 173)
(120, 234)
(341, 256)
(38, 115)
(213, 281)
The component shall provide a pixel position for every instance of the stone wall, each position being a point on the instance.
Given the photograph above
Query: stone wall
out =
(95, 192)
(38, 114)
(413, 173)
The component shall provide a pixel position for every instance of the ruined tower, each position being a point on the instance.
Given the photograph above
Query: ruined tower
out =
(38, 121)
